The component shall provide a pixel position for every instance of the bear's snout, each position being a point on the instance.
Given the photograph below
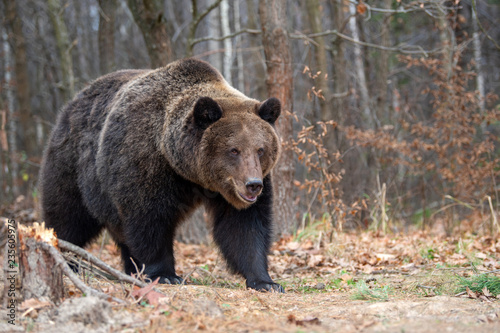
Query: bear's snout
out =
(254, 186)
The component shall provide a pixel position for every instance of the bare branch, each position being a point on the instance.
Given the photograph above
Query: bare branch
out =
(481, 26)
(401, 48)
(234, 34)
(197, 18)
(59, 259)
(99, 263)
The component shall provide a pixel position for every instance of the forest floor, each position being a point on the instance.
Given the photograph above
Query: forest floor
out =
(349, 282)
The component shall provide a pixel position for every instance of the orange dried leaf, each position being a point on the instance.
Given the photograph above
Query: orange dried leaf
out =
(361, 8)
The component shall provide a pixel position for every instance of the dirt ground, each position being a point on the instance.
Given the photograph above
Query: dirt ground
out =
(192, 308)
(362, 282)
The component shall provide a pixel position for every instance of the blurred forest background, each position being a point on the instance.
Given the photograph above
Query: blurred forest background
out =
(392, 118)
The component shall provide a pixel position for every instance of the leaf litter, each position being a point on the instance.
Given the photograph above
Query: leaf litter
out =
(356, 282)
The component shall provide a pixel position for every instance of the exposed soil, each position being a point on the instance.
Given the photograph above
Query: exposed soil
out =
(413, 279)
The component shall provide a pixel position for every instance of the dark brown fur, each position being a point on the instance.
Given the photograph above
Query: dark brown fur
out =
(137, 151)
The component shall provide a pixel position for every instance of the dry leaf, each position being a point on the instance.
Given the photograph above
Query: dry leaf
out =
(361, 8)
(34, 304)
(303, 322)
(147, 293)
(471, 293)
(486, 292)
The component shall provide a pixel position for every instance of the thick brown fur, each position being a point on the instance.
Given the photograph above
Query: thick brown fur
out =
(138, 150)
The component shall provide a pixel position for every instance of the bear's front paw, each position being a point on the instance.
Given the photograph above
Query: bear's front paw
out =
(266, 286)
(168, 279)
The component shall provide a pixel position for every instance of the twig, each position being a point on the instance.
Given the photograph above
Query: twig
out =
(399, 48)
(425, 287)
(234, 34)
(99, 263)
(59, 259)
(481, 26)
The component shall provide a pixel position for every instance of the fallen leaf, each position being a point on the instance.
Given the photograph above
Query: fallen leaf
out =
(471, 293)
(486, 292)
(34, 304)
(385, 256)
(147, 293)
(303, 322)
(481, 255)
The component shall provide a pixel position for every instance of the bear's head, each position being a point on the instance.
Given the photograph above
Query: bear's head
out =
(239, 146)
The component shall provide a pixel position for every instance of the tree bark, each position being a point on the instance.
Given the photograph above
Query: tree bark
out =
(148, 14)
(67, 86)
(314, 14)
(279, 82)
(383, 60)
(228, 44)
(477, 59)
(360, 66)
(12, 122)
(106, 38)
(40, 275)
(27, 139)
(239, 55)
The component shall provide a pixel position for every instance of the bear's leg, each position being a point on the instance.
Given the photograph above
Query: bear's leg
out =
(129, 262)
(62, 204)
(244, 238)
(150, 242)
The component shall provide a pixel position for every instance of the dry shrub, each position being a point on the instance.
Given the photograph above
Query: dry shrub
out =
(452, 152)
(319, 185)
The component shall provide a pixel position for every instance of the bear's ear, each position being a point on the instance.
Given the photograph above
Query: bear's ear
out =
(206, 112)
(270, 110)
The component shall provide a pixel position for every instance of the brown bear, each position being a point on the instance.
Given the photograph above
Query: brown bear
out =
(138, 150)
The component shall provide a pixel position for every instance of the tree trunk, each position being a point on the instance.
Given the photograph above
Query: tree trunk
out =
(383, 73)
(213, 24)
(239, 54)
(280, 84)
(339, 77)
(477, 59)
(148, 14)
(314, 14)
(64, 48)
(106, 38)
(255, 86)
(228, 44)
(27, 139)
(40, 275)
(12, 122)
(360, 66)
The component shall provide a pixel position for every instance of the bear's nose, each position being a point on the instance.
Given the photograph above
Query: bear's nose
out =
(254, 186)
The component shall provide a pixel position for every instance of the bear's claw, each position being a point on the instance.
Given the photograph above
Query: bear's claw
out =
(169, 279)
(267, 286)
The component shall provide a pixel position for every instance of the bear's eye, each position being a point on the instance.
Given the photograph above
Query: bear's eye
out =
(260, 152)
(235, 152)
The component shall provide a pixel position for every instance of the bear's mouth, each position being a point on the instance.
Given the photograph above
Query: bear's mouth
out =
(248, 198)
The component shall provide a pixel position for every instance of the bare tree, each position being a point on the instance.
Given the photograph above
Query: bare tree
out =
(477, 58)
(107, 36)
(17, 39)
(64, 47)
(12, 139)
(280, 84)
(322, 88)
(228, 44)
(148, 14)
(198, 16)
(359, 64)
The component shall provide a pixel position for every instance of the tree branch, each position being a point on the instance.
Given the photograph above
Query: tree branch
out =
(99, 263)
(234, 34)
(196, 21)
(481, 26)
(59, 259)
(401, 48)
